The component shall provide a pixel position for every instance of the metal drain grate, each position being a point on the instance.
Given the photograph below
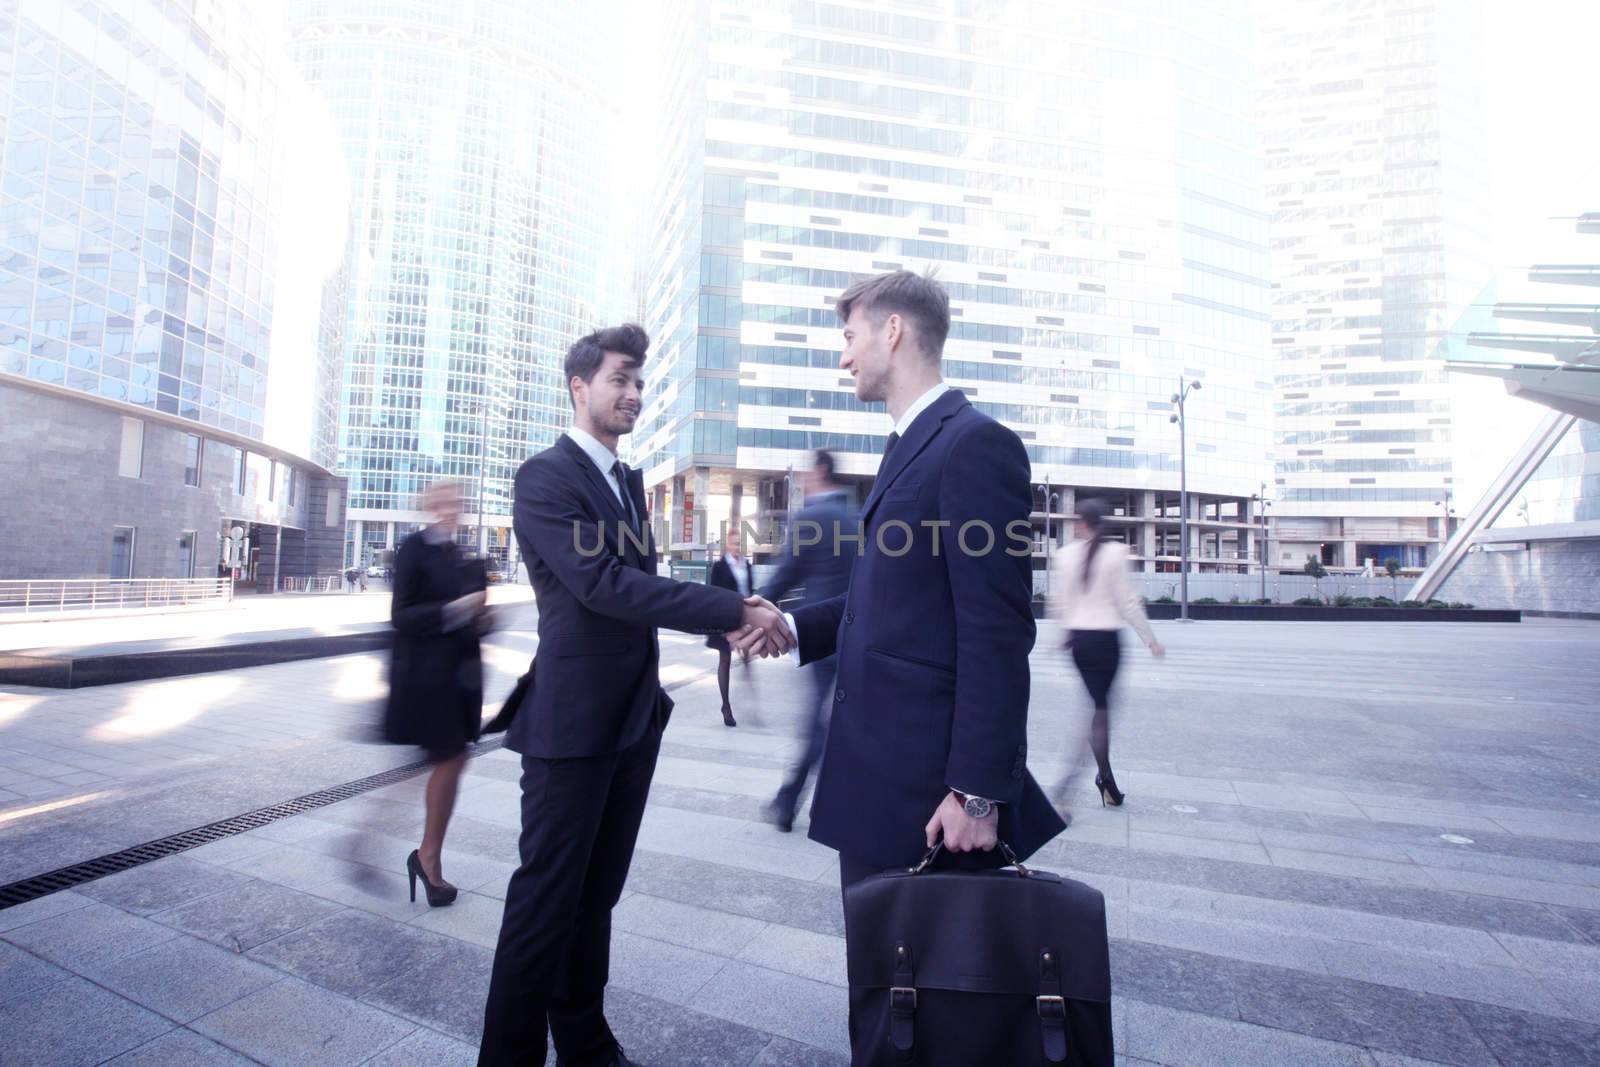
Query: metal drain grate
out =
(43, 885)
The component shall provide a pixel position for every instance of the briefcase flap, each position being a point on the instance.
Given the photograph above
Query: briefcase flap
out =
(978, 932)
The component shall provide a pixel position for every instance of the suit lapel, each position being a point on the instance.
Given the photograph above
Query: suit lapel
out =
(600, 492)
(924, 428)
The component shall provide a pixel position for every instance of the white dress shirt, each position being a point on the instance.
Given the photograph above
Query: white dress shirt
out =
(602, 457)
(1107, 601)
(741, 576)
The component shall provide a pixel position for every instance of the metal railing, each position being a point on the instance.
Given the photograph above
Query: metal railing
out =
(331, 583)
(36, 595)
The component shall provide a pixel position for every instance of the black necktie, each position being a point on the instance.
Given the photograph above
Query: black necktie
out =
(620, 474)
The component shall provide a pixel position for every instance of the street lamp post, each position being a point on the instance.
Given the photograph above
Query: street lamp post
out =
(1444, 522)
(1261, 498)
(1178, 399)
(1049, 507)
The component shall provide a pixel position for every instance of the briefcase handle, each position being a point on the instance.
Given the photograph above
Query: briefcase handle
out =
(1005, 850)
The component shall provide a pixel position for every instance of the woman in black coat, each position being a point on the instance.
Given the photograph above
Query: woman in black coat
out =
(732, 571)
(436, 676)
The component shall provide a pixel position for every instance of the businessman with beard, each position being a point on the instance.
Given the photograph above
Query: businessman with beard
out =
(590, 726)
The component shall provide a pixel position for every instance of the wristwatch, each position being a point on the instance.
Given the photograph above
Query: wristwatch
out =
(975, 807)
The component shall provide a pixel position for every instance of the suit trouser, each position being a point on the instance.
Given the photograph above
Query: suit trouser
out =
(823, 674)
(580, 819)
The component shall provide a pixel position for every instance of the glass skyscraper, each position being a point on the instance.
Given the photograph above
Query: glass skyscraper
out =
(1082, 176)
(474, 135)
(1377, 180)
(139, 225)
(144, 286)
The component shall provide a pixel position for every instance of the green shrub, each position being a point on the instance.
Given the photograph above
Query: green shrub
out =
(1436, 605)
(1361, 602)
(1344, 600)
(1307, 602)
(1461, 605)
(1206, 600)
(1411, 603)
(1234, 599)
(1163, 600)
(1382, 602)
(1262, 601)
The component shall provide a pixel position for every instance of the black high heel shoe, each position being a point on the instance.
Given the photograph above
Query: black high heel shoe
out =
(1109, 793)
(727, 716)
(438, 895)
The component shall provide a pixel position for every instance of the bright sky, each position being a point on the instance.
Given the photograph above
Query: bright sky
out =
(1538, 85)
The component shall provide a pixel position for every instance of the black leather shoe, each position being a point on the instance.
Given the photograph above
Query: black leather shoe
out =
(778, 816)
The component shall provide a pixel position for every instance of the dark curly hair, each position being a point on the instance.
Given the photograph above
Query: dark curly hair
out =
(587, 353)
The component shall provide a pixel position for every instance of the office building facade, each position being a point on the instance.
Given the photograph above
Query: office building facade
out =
(474, 138)
(1083, 180)
(142, 151)
(1376, 180)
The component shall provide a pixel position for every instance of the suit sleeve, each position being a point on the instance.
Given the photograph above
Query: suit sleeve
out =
(409, 613)
(985, 482)
(818, 628)
(788, 576)
(551, 519)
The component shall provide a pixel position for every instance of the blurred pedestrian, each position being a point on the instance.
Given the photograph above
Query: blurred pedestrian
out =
(815, 561)
(731, 571)
(436, 677)
(1092, 598)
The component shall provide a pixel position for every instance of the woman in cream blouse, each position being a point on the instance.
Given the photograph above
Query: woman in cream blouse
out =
(1092, 598)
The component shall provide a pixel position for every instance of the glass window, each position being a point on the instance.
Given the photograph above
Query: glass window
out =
(122, 551)
(272, 481)
(131, 461)
(241, 466)
(294, 485)
(191, 462)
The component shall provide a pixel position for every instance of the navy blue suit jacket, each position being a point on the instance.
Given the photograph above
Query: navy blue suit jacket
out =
(595, 687)
(933, 636)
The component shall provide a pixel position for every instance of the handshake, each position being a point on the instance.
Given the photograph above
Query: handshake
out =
(764, 632)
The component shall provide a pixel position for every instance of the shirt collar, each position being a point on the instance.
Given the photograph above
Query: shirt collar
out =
(918, 406)
(434, 535)
(599, 454)
(731, 562)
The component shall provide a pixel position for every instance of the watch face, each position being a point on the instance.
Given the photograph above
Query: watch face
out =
(977, 807)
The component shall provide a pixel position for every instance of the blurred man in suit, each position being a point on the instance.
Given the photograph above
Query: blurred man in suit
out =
(808, 563)
(928, 738)
(590, 726)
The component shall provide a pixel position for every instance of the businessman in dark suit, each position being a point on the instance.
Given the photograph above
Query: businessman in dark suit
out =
(590, 726)
(929, 732)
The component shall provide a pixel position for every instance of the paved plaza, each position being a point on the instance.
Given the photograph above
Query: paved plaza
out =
(1373, 845)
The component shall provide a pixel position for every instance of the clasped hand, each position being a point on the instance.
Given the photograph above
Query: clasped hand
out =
(763, 632)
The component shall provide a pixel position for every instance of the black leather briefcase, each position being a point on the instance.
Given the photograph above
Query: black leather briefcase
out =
(976, 968)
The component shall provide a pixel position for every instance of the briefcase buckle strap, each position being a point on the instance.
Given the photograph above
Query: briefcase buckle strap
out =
(1051, 1008)
(903, 1000)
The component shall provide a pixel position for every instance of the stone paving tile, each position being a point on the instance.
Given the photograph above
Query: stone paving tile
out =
(684, 924)
(813, 1013)
(255, 913)
(41, 908)
(446, 991)
(665, 972)
(73, 1022)
(781, 1052)
(424, 1048)
(22, 972)
(1359, 1013)
(351, 952)
(183, 978)
(473, 917)
(752, 894)
(295, 1024)
(1520, 1039)
(1230, 939)
(661, 1034)
(91, 934)
(180, 1048)
(1168, 1036)
(1505, 986)
(159, 886)
(819, 957)
(295, 867)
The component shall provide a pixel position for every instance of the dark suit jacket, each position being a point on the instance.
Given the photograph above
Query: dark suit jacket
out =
(435, 676)
(595, 688)
(933, 643)
(722, 575)
(808, 560)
